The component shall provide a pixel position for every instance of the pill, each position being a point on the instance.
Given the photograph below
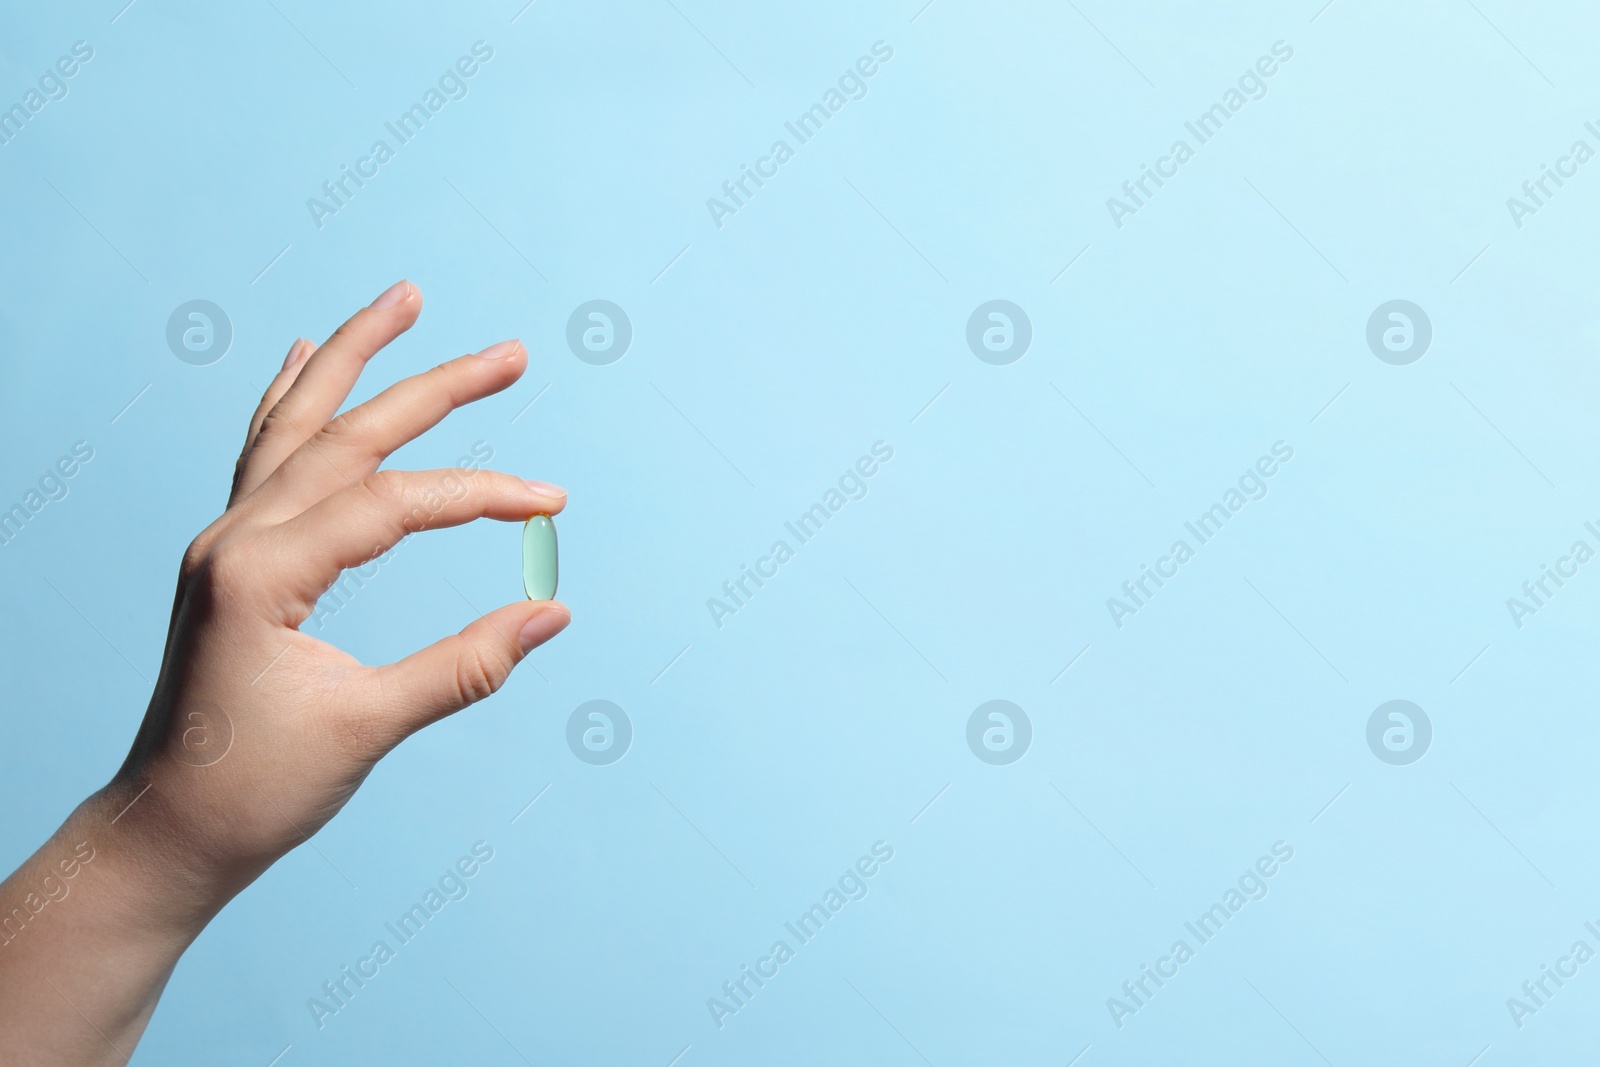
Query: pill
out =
(539, 558)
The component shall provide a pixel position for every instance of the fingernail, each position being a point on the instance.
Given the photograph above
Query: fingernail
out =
(392, 295)
(543, 626)
(294, 353)
(545, 488)
(502, 350)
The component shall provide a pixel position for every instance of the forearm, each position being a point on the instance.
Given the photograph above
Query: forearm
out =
(89, 936)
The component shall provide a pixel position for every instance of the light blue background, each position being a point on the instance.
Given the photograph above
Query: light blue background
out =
(823, 317)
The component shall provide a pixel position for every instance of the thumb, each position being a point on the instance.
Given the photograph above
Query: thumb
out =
(462, 669)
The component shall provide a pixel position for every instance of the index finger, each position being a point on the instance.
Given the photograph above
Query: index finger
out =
(325, 380)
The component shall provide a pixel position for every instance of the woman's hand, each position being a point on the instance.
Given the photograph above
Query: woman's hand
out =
(257, 734)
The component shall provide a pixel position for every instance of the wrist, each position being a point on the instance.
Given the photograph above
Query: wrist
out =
(152, 883)
(92, 914)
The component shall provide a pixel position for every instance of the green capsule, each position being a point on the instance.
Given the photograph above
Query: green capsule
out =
(539, 558)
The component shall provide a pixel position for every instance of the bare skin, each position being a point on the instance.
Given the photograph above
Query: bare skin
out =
(92, 925)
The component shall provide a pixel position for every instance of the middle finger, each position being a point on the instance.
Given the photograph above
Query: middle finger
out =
(357, 442)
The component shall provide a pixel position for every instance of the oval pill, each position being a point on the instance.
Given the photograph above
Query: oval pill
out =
(539, 558)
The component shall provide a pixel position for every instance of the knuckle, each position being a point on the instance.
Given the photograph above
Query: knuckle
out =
(217, 570)
(390, 492)
(198, 555)
(194, 557)
(268, 402)
(480, 673)
(238, 471)
(276, 422)
(230, 567)
(455, 483)
(386, 487)
(444, 380)
(351, 329)
(272, 421)
(344, 428)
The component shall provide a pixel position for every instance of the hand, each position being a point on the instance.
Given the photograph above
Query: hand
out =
(303, 722)
(308, 502)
